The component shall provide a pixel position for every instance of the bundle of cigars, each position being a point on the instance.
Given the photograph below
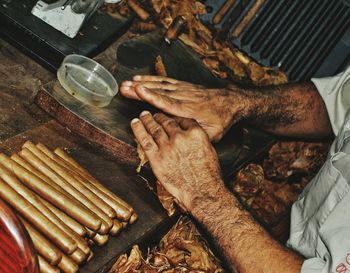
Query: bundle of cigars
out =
(63, 207)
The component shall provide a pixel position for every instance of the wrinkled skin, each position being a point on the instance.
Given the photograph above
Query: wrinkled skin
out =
(180, 154)
(216, 110)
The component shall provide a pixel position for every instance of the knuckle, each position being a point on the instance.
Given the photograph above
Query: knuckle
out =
(146, 145)
(170, 123)
(156, 132)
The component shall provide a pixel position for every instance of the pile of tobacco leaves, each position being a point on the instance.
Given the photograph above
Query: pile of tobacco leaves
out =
(221, 59)
(181, 250)
(269, 189)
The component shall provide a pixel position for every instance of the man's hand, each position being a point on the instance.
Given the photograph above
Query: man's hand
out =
(180, 154)
(288, 110)
(186, 164)
(216, 110)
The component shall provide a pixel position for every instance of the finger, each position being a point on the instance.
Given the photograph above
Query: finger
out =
(170, 126)
(162, 102)
(154, 128)
(150, 78)
(158, 85)
(144, 138)
(129, 92)
(186, 123)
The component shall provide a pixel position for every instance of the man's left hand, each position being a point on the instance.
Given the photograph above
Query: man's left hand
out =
(180, 154)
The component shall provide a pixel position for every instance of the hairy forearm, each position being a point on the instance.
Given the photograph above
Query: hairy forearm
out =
(245, 244)
(295, 110)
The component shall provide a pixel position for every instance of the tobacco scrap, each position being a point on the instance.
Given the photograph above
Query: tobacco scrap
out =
(168, 201)
(269, 189)
(216, 54)
(159, 67)
(182, 249)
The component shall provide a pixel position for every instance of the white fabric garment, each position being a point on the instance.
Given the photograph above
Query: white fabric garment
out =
(320, 218)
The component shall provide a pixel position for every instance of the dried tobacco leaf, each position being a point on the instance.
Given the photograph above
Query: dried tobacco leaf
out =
(128, 264)
(198, 37)
(165, 198)
(142, 156)
(269, 192)
(182, 249)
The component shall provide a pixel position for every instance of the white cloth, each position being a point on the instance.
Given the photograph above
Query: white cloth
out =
(320, 218)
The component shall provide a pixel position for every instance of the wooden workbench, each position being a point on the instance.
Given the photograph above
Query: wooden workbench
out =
(21, 120)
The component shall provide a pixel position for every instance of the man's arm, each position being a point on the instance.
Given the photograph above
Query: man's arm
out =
(186, 164)
(289, 110)
(295, 110)
(245, 244)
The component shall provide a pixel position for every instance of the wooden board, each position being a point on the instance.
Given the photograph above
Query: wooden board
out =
(110, 126)
(119, 178)
(20, 79)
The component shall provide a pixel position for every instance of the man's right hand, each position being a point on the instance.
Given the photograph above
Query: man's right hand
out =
(216, 110)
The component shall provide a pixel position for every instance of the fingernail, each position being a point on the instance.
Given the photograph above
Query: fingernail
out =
(137, 78)
(125, 88)
(127, 83)
(144, 113)
(135, 120)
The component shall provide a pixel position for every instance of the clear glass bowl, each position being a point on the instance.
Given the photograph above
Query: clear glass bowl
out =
(87, 80)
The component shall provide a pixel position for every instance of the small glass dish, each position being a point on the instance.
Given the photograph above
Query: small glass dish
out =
(87, 80)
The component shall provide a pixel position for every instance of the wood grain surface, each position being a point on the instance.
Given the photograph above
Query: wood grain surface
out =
(121, 179)
(20, 79)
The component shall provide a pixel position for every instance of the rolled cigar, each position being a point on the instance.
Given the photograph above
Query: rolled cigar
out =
(175, 29)
(91, 234)
(69, 221)
(249, 15)
(90, 256)
(93, 181)
(223, 11)
(25, 164)
(66, 181)
(65, 185)
(142, 26)
(45, 267)
(117, 227)
(82, 245)
(45, 248)
(35, 217)
(133, 218)
(69, 205)
(67, 265)
(78, 256)
(38, 202)
(100, 240)
(144, 15)
(88, 193)
(91, 242)
(27, 194)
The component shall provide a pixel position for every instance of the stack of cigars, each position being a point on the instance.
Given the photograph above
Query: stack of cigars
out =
(63, 207)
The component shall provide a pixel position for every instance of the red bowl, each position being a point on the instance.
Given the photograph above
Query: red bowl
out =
(17, 254)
